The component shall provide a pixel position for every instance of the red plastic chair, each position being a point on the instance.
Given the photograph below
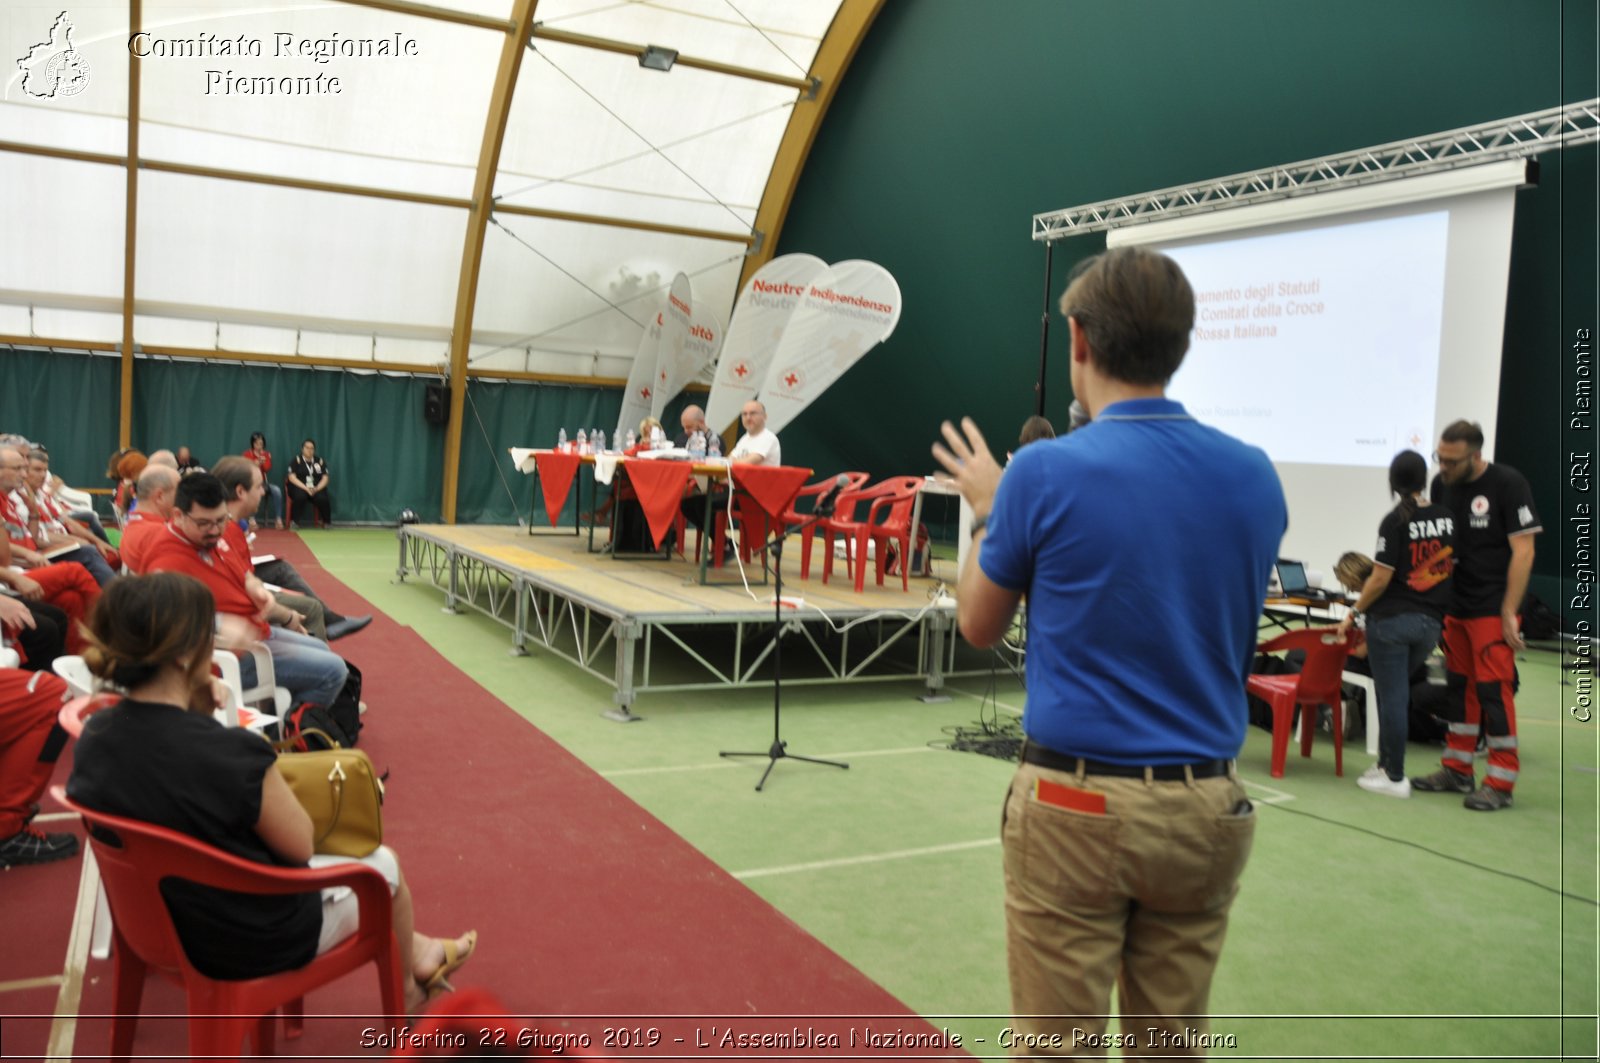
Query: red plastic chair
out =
(134, 857)
(793, 515)
(1317, 684)
(892, 499)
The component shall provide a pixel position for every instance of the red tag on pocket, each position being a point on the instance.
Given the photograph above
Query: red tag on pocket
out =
(1048, 792)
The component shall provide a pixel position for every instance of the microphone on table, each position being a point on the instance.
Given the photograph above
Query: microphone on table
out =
(826, 503)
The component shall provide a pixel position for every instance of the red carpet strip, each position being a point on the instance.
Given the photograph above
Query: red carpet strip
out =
(588, 908)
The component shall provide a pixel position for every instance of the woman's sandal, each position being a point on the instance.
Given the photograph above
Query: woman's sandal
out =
(439, 981)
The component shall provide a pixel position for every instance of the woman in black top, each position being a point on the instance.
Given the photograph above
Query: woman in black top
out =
(307, 484)
(1404, 601)
(161, 756)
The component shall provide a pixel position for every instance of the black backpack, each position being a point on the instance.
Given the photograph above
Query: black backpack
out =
(311, 726)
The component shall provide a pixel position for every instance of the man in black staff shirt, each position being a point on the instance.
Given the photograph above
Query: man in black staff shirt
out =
(1495, 525)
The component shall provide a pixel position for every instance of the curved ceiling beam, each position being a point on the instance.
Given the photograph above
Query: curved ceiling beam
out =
(375, 192)
(512, 49)
(440, 14)
(833, 57)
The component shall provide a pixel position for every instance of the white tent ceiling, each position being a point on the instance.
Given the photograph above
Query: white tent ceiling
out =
(667, 171)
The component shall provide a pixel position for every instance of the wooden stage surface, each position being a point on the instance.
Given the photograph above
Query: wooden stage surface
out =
(654, 589)
(645, 624)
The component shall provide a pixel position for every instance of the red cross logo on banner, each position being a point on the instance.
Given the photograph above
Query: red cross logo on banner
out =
(791, 379)
(741, 370)
(644, 393)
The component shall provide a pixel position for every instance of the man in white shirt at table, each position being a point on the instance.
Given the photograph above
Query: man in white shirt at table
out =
(757, 446)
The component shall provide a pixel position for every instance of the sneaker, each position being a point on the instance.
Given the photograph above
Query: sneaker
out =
(1444, 781)
(1487, 798)
(33, 846)
(1375, 772)
(1382, 784)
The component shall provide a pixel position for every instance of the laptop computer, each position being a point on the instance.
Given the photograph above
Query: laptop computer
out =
(1292, 583)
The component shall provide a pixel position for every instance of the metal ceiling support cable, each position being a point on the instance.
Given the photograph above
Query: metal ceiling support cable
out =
(1523, 135)
(657, 290)
(775, 45)
(643, 139)
(498, 224)
(568, 178)
(494, 455)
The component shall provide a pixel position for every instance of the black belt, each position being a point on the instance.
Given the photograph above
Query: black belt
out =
(1044, 757)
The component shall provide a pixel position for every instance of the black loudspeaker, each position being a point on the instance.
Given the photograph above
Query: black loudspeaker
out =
(436, 404)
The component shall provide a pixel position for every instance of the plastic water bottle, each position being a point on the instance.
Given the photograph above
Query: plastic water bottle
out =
(714, 449)
(630, 440)
(561, 441)
(598, 439)
(697, 445)
(657, 440)
(583, 441)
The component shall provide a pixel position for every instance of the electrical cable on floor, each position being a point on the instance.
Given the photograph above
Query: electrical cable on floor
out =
(992, 737)
(989, 735)
(1433, 852)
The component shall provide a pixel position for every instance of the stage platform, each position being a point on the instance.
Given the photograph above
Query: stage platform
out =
(644, 625)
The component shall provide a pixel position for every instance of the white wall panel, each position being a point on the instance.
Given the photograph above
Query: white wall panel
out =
(61, 224)
(215, 245)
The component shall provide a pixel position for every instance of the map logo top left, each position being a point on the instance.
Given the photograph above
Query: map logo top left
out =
(53, 67)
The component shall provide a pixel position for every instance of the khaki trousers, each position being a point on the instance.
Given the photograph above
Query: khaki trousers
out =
(1138, 895)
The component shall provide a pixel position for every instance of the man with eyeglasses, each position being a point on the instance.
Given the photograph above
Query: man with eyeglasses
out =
(66, 585)
(1495, 525)
(194, 545)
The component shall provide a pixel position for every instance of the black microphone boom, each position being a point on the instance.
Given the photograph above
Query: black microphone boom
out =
(826, 503)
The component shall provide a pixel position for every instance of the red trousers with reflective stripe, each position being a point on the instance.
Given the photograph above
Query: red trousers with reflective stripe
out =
(68, 586)
(1475, 650)
(26, 719)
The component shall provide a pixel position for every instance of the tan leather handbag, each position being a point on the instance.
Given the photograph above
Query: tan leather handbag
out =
(343, 795)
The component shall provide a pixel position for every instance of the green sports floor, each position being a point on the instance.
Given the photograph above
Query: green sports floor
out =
(1366, 928)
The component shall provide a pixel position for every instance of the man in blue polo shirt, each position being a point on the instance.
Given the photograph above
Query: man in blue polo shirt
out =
(1142, 543)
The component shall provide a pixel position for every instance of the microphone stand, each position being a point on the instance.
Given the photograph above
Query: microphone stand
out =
(779, 749)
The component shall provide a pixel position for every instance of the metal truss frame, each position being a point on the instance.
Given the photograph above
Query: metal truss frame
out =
(1524, 135)
(626, 650)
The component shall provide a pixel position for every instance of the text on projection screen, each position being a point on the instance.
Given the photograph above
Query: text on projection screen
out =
(1293, 329)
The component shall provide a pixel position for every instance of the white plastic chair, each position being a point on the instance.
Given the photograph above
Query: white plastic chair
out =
(1365, 683)
(77, 675)
(266, 689)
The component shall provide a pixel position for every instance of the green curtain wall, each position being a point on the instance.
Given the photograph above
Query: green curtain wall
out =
(68, 402)
(384, 457)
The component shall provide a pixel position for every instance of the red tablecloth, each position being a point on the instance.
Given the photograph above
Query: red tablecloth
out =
(659, 485)
(556, 473)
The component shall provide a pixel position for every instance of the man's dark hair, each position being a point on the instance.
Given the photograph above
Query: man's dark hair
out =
(1463, 431)
(234, 473)
(1136, 310)
(200, 489)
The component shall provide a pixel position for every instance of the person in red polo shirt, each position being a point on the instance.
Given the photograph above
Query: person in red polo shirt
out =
(194, 545)
(65, 585)
(157, 485)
